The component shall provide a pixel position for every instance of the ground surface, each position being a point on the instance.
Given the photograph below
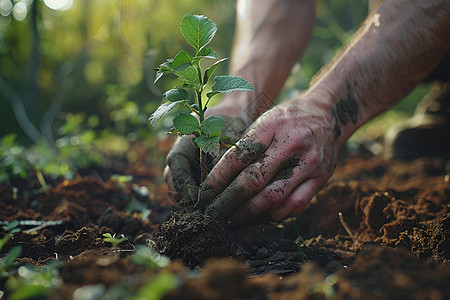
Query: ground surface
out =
(396, 244)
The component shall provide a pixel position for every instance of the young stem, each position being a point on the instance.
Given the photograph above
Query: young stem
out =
(203, 166)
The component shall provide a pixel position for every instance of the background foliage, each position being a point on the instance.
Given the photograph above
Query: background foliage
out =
(76, 75)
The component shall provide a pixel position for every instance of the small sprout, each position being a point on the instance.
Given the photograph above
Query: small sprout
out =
(108, 238)
(12, 227)
(122, 178)
(147, 255)
(198, 32)
(8, 263)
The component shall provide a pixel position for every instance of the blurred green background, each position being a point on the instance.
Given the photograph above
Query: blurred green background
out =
(76, 76)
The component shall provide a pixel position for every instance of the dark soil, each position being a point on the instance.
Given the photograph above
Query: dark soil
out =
(193, 237)
(396, 246)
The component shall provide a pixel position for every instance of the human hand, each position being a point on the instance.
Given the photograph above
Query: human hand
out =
(182, 172)
(284, 159)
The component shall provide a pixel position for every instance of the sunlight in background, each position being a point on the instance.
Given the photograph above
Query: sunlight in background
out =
(5, 7)
(19, 8)
(59, 4)
(20, 11)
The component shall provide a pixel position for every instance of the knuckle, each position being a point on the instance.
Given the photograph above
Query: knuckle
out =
(276, 195)
(314, 157)
(167, 175)
(322, 176)
(298, 204)
(254, 178)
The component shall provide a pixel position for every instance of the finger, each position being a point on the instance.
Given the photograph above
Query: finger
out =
(248, 183)
(298, 199)
(232, 163)
(181, 174)
(274, 194)
(173, 195)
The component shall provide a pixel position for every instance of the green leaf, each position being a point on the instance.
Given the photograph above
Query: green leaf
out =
(194, 142)
(162, 110)
(159, 74)
(11, 225)
(186, 124)
(211, 94)
(208, 144)
(204, 53)
(163, 69)
(12, 255)
(227, 141)
(207, 53)
(182, 57)
(3, 240)
(212, 124)
(229, 84)
(188, 74)
(176, 94)
(211, 70)
(172, 130)
(198, 30)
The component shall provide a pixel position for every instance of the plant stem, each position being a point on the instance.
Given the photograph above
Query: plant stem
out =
(203, 166)
(201, 110)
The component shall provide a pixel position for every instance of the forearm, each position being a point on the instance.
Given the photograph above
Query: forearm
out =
(391, 53)
(271, 35)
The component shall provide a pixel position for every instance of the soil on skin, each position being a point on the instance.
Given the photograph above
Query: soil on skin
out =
(396, 247)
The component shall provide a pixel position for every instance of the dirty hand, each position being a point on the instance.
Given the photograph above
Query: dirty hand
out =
(287, 155)
(182, 172)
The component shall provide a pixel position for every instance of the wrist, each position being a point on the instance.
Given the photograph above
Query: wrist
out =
(340, 111)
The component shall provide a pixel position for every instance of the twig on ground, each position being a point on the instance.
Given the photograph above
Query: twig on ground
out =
(346, 227)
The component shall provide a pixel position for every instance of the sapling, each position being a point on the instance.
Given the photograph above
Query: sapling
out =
(198, 32)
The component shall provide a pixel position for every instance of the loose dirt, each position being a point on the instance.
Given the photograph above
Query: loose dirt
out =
(396, 244)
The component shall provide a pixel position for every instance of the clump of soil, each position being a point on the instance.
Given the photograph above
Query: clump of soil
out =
(194, 237)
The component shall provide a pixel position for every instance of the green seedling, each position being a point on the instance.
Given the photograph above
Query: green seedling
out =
(108, 238)
(8, 263)
(198, 32)
(148, 256)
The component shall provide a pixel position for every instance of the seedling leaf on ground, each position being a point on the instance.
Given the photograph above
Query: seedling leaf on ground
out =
(108, 238)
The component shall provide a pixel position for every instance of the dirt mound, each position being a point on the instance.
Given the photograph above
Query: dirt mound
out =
(378, 229)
